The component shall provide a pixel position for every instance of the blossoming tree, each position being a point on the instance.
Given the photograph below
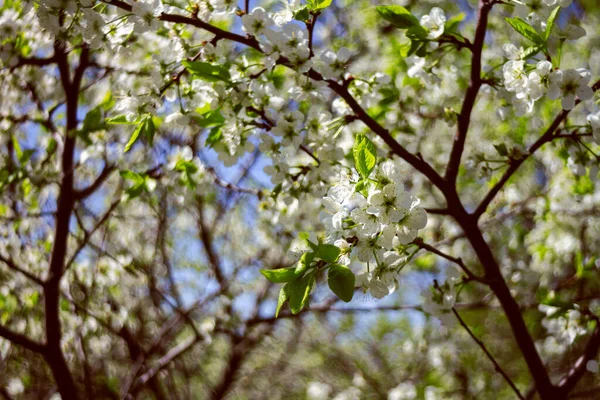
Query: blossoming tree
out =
(192, 191)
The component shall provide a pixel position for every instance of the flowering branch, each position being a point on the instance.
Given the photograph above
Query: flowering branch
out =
(546, 137)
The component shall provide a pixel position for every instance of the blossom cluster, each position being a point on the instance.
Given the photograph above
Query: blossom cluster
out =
(529, 84)
(373, 223)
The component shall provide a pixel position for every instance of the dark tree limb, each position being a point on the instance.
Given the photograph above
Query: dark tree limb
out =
(464, 118)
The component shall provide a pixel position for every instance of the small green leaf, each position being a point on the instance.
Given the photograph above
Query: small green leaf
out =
(341, 281)
(206, 71)
(453, 22)
(525, 30)
(304, 263)
(280, 275)
(213, 137)
(302, 14)
(93, 121)
(531, 51)
(299, 291)
(26, 156)
(146, 128)
(318, 4)
(501, 149)
(149, 130)
(132, 176)
(360, 186)
(550, 23)
(281, 299)
(365, 155)
(417, 33)
(399, 16)
(209, 119)
(328, 252)
(119, 120)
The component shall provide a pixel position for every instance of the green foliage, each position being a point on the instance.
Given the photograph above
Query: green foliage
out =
(328, 252)
(525, 30)
(365, 155)
(399, 16)
(144, 128)
(550, 22)
(501, 149)
(341, 281)
(298, 292)
(317, 5)
(280, 275)
(206, 71)
(141, 183)
(119, 120)
(453, 23)
(302, 14)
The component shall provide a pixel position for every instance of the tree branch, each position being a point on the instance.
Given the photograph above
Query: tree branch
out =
(88, 191)
(546, 137)
(11, 264)
(21, 340)
(458, 261)
(464, 119)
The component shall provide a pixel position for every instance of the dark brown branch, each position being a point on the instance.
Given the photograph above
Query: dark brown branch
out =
(310, 25)
(88, 191)
(11, 264)
(66, 201)
(34, 61)
(496, 282)
(464, 119)
(21, 340)
(458, 261)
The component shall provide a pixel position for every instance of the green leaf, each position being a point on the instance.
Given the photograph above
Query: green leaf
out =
(209, 119)
(341, 281)
(119, 120)
(302, 15)
(17, 147)
(26, 156)
(501, 149)
(365, 155)
(299, 291)
(304, 263)
(280, 275)
(328, 252)
(399, 16)
(132, 176)
(93, 121)
(318, 4)
(417, 33)
(531, 51)
(281, 299)
(206, 71)
(525, 30)
(213, 137)
(453, 22)
(360, 186)
(146, 128)
(550, 23)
